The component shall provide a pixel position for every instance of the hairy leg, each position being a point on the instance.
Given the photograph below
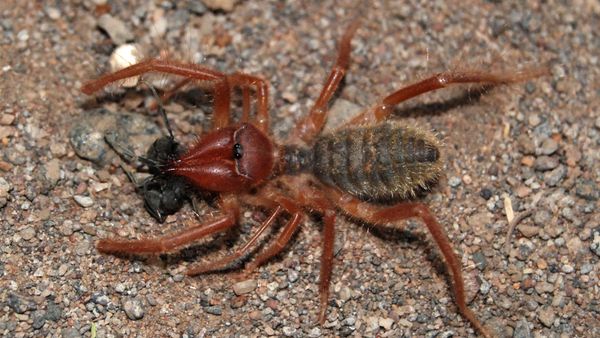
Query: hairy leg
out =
(222, 263)
(220, 85)
(312, 197)
(284, 237)
(166, 243)
(382, 215)
(383, 109)
(261, 86)
(175, 241)
(310, 126)
(326, 262)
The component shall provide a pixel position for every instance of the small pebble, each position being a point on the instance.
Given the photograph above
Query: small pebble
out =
(134, 309)
(101, 299)
(548, 147)
(553, 177)
(151, 300)
(5, 187)
(386, 323)
(528, 230)
(315, 332)
(6, 119)
(28, 233)
(454, 181)
(372, 324)
(485, 287)
(486, 193)
(66, 229)
(349, 321)
(574, 245)
(269, 330)
(546, 316)
(20, 304)
(544, 287)
(238, 302)
(567, 268)
(53, 13)
(223, 5)
(70, 332)
(288, 331)
(525, 248)
(573, 155)
(244, 287)
(467, 179)
(522, 329)
(542, 217)
(39, 319)
(290, 97)
(345, 293)
(586, 189)
(479, 219)
(62, 269)
(292, 275)
(534, 120)
(405, 323)
(125, 56)
(480, 261)
(526, 145)
(115, 28)
(82, 248)
(23, 35)
(214, 310)
(52, 171)
(528, 161)
(523, 191)
(586, 268)
(196, 7)
(544, 163)
(84, 201)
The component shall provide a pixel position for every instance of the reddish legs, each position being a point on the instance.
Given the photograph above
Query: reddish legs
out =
(221, 84)
(167, 243)
(284, 237)
(382, 215)
(314, 199)
(326, 262)
(310, 126)
(222, 95)
(245, 81)
(383, 109)
(175, 241)
(222, 263)
(166, 96)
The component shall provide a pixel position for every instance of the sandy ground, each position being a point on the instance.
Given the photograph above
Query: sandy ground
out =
(533, 144)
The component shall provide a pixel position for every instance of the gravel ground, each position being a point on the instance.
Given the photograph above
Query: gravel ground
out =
(530, 150)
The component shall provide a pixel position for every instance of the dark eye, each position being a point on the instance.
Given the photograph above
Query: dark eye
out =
(238, 151)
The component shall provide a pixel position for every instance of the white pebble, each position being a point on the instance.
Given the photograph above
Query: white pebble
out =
(53, 13)
(125, 56)
(84, 201)
(244, 287)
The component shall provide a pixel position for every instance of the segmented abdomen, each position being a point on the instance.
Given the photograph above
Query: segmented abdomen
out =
(384, 162)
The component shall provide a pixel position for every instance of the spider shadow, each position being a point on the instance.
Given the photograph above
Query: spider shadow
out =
(467, 97)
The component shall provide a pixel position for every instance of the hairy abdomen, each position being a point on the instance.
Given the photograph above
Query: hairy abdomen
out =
(383, 162)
